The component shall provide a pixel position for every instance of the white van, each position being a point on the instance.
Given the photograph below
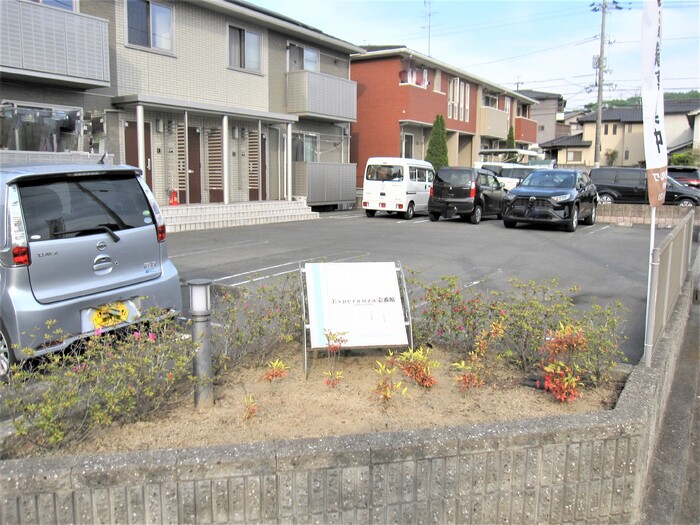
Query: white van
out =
(511, 165)
(397, 185)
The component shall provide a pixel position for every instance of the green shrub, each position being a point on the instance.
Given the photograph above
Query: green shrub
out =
(526, 313)
(450, 315)
(252, 318)
(602, 328)
(686, 158)
(123, 376)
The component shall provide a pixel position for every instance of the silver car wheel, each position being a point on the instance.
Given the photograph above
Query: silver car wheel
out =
(4, 357)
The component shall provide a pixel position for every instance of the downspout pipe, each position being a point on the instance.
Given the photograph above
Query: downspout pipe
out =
(289, 161)
(226, 154)
(140, 139)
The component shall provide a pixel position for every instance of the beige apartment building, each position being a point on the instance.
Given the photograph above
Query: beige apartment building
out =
(218, 101)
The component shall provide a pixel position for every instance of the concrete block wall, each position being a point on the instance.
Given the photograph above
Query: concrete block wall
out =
(630, 214)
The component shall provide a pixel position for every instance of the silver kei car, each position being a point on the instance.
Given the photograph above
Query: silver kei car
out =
(81, 246)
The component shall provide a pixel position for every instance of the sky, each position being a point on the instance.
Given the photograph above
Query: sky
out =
(542, 45)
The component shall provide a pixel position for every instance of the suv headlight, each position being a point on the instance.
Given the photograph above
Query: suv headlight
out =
(561, 198)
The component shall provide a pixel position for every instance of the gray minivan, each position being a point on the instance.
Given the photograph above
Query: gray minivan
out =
(82, 245)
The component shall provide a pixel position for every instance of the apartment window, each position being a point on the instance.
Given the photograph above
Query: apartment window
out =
(150, 24)
(40, 128)
(490, 100)
(408, 146)
(437, 81)
(413, 74)
(245, 49)
(540, 127)
(573, 156)
(614, 129)
(605, 130)
(458, 100)
(464, 102)
(304, 58)
(627, 154)
(304, 147)
(453, 99)
(68, 5)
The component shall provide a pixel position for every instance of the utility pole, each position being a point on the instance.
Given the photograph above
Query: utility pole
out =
(601, 69)
(429, 14)
(603, 6)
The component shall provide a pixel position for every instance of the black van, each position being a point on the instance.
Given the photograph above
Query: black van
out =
(629, 186)
(466, 192)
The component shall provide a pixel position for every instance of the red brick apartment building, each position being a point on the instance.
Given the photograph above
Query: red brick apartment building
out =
(399, 94)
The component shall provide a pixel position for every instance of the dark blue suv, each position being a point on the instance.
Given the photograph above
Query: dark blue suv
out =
(552, 196)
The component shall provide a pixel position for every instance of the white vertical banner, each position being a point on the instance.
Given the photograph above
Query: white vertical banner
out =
(653, 103)
(654, 147)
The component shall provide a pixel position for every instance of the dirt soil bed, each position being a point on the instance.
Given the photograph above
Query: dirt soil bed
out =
(294, 407)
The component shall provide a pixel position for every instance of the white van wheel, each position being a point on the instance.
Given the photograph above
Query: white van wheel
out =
(408, 214)
(370, 213)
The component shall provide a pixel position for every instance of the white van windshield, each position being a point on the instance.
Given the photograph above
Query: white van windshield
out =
(383, 172)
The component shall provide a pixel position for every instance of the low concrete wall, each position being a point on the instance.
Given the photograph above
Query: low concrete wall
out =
(630, 214)
(574, 469)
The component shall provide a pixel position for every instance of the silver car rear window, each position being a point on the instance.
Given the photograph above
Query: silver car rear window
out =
(67, 207)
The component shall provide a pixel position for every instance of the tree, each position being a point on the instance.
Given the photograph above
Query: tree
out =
(437, 147)
(637, 100)
(610, 157)
(510, 144)
(686, 158)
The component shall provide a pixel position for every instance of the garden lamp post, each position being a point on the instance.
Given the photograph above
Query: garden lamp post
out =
(200, 309)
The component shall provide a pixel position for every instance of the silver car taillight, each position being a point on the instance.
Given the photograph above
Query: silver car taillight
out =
(18, 234)
(158, 215)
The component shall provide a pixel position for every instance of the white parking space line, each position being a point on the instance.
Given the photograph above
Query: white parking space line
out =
(228, 246)
(413, 221)
(346, 256)
(480, 280)
(591, 232)
(343, 217)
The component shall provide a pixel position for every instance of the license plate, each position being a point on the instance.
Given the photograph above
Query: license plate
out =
(109, 315)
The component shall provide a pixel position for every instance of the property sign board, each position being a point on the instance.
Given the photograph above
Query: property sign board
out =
(360, 299)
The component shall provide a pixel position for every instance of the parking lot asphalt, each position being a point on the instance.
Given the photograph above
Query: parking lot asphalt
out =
(607, 263)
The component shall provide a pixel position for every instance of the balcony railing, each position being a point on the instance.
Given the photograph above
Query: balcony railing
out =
(53, 44)
(525, 130)
(321, 96)
(324, 183)
(493, 122)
